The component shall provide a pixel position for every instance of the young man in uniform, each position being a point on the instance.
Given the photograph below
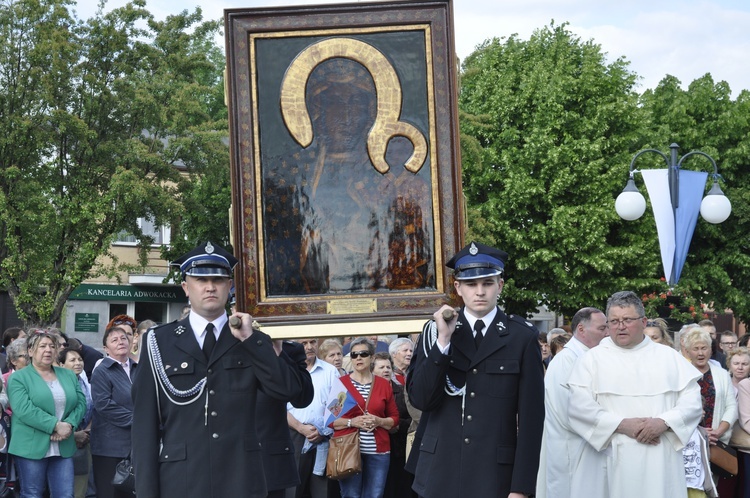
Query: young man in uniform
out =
(478, 376)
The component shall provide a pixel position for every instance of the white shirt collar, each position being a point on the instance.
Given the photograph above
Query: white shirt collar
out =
(487, 319)
(198, 324)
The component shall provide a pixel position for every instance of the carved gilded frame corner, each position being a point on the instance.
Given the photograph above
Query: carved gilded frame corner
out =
(345, 164)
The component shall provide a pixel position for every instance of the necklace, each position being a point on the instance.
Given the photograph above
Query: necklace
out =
(363, 382)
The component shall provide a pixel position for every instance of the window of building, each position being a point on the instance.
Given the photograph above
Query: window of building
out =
(160, 234)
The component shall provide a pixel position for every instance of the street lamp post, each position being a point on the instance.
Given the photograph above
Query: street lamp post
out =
(675, 214)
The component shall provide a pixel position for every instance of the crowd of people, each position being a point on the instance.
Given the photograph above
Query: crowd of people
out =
(479, 404)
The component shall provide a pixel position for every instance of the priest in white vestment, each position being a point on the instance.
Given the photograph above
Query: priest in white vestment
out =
(563, 450)
(637, 403)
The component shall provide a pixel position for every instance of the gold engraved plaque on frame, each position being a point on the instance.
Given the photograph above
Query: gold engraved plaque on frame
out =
(352, 306)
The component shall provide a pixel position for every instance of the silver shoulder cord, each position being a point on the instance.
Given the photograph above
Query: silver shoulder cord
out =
(429, 340)
(161, 380)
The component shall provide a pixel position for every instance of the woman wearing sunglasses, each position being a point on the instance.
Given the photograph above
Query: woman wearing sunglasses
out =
(375, 414)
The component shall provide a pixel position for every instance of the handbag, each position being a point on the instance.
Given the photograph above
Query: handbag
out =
(740, 438)
(724, 459)
(124, 478)
(344, 458)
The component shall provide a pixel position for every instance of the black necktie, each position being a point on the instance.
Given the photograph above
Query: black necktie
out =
(209, 341)
(478, 336)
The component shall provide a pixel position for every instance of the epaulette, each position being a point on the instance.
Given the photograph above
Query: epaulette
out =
(522, 321)
(178, 330)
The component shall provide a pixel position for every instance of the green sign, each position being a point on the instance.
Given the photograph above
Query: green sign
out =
(164, 293)
(87, 322)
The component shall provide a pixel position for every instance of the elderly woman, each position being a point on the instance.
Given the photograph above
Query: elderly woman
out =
(330, 351)
(657, 330)
(738, 363)
(48, 405)
(719, 402)
(401, 351)
(113, 410)
(18, 358)
(374, 415)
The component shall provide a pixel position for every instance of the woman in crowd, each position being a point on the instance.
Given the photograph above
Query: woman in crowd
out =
(399, 481)
(48, 405)
(71, 359)
(374, 416)
(113, 410)
(135, 347)
(544, 345)
(18, 358)
(401, 350)
(126, 323)
(658, 331)
(10, 335)
(738, 363)
(558, 343)
(719, 402)
(330, 351)
(741, 436)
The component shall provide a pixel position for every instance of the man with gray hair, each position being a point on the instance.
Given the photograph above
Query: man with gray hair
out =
(401, 350)
(636, 403)
(562, 449)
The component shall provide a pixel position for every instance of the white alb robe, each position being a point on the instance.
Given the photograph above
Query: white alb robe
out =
(563, 450)
(611, 383)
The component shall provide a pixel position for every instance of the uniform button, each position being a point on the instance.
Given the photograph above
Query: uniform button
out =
(474, 371)
(214, 414)
(215, 436)
(467, 441)
(471, 395)
(286, 449)
(210, 370)
(502, 368)
(451, 362)
(166, 456)
(260, 342)
(211, 392)
(468, 417)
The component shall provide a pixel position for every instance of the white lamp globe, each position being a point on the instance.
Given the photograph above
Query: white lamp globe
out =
(630, 205)
(715, 208)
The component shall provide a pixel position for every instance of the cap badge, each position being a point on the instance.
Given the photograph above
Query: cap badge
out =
(179, 330)
(209, 248)
(473, 250)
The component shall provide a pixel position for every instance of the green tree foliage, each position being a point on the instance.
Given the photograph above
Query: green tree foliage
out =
(95, 115)
(704, 117)
(558, 126)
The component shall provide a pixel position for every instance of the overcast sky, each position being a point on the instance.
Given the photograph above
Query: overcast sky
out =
(684, 38)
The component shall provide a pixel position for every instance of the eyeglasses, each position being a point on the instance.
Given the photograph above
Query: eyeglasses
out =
(733, 343)
(360, 354)
(625, 321)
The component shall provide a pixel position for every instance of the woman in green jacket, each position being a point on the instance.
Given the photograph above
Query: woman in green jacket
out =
(47, 405)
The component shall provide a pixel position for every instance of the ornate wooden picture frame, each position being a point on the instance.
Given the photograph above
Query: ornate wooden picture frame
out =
(345, 157)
